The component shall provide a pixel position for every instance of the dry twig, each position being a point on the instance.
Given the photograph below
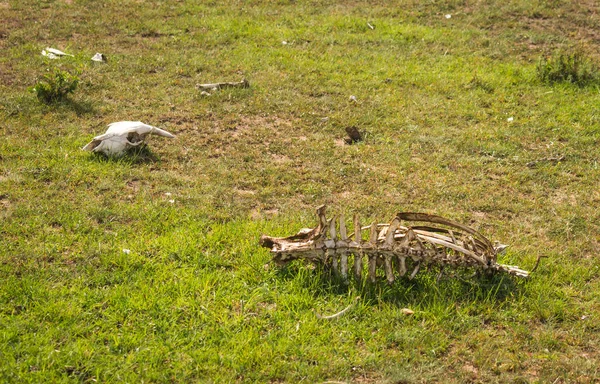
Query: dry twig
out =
(554, 159)
(537, 262)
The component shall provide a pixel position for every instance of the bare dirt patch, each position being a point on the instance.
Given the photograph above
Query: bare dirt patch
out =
(5, 206)
(243, 136)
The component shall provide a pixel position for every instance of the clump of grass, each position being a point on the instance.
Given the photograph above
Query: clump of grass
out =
(55, 86)
(478, 83)
(569, 67)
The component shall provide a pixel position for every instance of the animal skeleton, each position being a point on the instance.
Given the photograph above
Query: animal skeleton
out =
(392, 246)
(123, 135)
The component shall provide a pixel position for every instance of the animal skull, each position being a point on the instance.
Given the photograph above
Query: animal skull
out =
(123, 135)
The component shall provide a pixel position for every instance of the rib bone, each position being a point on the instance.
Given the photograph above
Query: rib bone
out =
(441, 242)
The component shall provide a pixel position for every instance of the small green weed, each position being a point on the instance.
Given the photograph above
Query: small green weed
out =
(573, 67)
(55, 86)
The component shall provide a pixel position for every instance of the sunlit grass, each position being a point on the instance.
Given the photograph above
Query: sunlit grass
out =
(148, 268)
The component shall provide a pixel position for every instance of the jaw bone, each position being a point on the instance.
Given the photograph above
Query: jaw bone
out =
(123, 135)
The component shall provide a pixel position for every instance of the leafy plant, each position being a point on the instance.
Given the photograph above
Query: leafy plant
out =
(573, 67)
(55, 86)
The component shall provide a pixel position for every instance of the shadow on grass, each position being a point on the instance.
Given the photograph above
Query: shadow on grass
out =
(133, 156)
(26, 105)
(79, 107)
(460, 287)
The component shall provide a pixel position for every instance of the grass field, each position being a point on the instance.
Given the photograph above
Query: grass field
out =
(457, 122)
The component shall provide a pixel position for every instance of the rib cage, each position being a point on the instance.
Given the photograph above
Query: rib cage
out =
(395, 248)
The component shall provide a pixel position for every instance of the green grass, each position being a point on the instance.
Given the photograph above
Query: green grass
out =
(193, 300)
(571, 67)
(55, 86)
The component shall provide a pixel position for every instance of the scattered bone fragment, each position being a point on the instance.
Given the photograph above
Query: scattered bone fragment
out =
(407, 311)
(216, 86)
(53, 53)
(100, 58)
